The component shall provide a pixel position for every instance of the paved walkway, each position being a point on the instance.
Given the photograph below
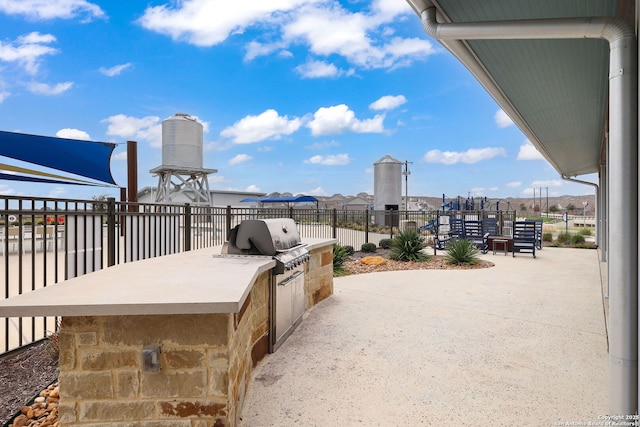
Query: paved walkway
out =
(522, 343)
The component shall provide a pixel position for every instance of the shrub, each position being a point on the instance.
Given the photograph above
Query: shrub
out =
(385, 243)
(340, 256)
(407, 246)
(349, 249)
(577, 239)
(461, 251)
(368, 247)
(585, 231)
(547, 237)
(564, 238)
(586, 245)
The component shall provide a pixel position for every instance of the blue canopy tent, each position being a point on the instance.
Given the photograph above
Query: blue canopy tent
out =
(88, 159)
(287, 200)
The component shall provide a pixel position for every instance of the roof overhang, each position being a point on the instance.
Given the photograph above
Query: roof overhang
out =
(554, 90)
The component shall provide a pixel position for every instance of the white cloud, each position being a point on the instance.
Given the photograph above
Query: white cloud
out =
(514, 184)
(323, 145)
(57, 192)
(473, 155)
(388, 102)
(330, 160)
(147, 128)
(119, 156)
(360, 37)
(339, 119)
(5, 190)
(502, 120)
(208, 23)
(216, 179)
(548, 183)
(364, 38)
(318, 191)
(27, 51)
(4, 95)
(46, 89)
(255, 49)
(253, 189)
(267, 125)
(240, 158)
(529, 152)
(317, 69)
(73, 134)
(52, 9)
(116, 70)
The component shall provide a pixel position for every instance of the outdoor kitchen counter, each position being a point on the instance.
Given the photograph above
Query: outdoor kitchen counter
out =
(194, 282)
(184, 283)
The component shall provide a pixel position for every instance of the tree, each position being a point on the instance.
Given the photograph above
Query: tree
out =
(523, 207)
(571, 207)
(553, 208)
(99, 203)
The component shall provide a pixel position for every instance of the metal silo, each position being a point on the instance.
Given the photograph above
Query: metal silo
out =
(182, 142)
(387, 189)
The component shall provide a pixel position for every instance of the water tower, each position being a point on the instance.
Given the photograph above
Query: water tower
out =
(181, 172)
(387, 189)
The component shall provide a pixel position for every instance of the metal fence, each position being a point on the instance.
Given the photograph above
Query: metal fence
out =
(45, 241)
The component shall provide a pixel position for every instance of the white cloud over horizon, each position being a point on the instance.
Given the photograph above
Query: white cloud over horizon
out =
(388, 102)
(47, 89)
(529, 152)
(73, 134)
(239, 158)
(329, 160)
(52, 9)
(472, 155)
(324, 27)
(116, 70)
(28, 50)
(267, 125)
(339, 119)
(502, 119)
(148, 128)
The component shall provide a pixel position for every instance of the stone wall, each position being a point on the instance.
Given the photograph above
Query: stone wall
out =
(319, 275)
(206, 361)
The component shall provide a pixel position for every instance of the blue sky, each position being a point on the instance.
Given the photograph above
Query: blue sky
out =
(296, 96)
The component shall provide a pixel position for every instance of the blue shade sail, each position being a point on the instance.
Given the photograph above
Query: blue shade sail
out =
(85, 158)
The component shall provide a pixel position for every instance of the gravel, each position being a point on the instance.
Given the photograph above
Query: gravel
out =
(23, 375)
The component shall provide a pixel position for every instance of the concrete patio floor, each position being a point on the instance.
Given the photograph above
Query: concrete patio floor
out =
(522, 343)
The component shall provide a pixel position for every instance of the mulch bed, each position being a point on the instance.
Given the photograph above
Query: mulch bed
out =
(23, 375)
(435, 262)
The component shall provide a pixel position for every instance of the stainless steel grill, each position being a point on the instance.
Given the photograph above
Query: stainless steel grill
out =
(277, 238)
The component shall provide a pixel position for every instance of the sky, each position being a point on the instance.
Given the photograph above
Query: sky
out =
(299, 96)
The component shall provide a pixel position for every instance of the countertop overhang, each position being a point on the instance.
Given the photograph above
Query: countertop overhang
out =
(193, 282)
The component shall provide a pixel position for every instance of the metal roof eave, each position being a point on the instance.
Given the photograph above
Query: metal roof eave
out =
(461, 50)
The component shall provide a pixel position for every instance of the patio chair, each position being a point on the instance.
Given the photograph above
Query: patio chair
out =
(474, 233)
(538, 233)
(524, 237)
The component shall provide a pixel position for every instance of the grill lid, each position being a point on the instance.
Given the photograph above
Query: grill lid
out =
(264, 236)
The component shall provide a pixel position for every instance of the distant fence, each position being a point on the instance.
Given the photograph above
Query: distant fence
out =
(46, 241)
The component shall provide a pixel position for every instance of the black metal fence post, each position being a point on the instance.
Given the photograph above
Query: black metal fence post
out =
(187, 227)
(228, 223)
(111, 232)
(366, 226)
(335, 223)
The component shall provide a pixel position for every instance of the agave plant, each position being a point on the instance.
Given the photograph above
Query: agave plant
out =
(462, 251)
(408, 246)
(340, 256)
